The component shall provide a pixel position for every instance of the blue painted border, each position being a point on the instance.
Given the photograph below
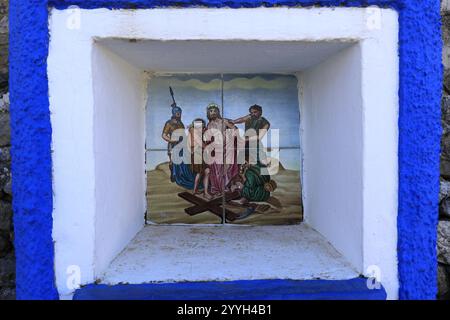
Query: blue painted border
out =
(353, 289)
(419, 140)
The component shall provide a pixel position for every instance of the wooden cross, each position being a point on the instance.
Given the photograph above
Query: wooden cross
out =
(214, 206)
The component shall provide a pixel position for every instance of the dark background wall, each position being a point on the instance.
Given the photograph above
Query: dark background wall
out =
(444, 197)
(7, 262)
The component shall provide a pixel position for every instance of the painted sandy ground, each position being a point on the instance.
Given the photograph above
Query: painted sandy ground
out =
(165, 207)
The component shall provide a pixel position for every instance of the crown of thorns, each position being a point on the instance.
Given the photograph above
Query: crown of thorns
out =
(213, 106)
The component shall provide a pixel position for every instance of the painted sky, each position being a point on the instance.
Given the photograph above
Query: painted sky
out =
(277, 94)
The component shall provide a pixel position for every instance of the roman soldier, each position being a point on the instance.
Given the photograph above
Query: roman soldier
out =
(180, 173)
(174, 123)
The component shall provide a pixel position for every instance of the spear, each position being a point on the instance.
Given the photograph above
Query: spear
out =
(174, 104)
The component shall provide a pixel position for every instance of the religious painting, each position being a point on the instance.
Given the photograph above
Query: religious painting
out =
(223, 149)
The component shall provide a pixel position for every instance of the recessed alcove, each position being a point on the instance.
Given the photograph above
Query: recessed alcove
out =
(347, 72)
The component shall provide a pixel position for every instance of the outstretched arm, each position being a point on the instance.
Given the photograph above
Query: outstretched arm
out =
(241, 120)
(229, 124)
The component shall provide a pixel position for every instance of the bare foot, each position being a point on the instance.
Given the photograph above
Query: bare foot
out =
(208, 196)
(240, 201)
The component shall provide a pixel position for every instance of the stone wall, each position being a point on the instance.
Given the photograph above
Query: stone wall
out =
(444, 196)
(7, 261)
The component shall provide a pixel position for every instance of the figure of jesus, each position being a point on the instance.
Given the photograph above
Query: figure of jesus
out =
(221, 170)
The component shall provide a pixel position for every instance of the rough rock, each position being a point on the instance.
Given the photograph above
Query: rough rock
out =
(3, 80)
(445, 114)
(8, 187)
(443, 281)
(446, 46)
(5, 177)
(4, 25)
(5, 156)
(8, 293)
(5, 132)
(444, 189)
(7, 270)
(5, 244)
(5, 216)
(4, 102)
(444, 209)
(447, 81)
(445, 168)
(445, 5)
(3, 47)
(444, 199)
(444, 242)
(5, 97)
(7, 258)
(446, 146)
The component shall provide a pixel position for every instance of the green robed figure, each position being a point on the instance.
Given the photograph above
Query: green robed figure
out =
(253, 186)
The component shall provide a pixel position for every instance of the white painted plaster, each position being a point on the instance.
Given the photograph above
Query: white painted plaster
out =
(202, 253)
(72, 118)
(229, 56)
(368, 205)
(333, 152)
(119, 149)
(98, 157)
(380, 86)
(349, 113)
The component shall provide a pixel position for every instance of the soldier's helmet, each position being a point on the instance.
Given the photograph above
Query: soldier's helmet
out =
(175, 110)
